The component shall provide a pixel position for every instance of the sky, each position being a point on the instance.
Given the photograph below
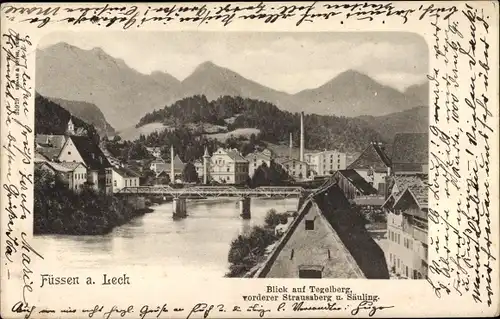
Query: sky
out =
(288, 62)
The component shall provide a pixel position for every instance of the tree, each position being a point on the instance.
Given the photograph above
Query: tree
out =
(189, 174)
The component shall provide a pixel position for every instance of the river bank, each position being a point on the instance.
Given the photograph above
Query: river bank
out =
(59, 210)
(248, 251)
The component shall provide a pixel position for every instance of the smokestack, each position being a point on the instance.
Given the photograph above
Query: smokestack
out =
(291, 145)
(302, 136)
(172, 171)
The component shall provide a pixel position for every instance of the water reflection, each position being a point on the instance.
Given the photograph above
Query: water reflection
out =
(197, 245)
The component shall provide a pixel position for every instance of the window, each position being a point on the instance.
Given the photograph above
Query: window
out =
(115, 182)
(310, 271)
(309, 224)
(69, 153)
(228, 168)
(399, 239)
(406, 271)
(398, 262)
(390, 257)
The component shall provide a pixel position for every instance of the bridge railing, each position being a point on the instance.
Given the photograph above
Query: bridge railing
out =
(214, 190)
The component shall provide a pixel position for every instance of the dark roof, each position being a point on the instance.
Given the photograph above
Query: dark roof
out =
(344, 266)
(417, 184)
(373, 156)
(90, 152)
(410, 148)
(350, 227)
(359, 250)
(49, 152)
(358, 181)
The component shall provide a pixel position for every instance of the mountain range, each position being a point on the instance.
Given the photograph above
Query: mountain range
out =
(124, 95)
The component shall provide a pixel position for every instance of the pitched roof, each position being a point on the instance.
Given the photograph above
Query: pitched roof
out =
(178, 163)
(357, 255)
(125, 172)
(63, 167)
(235, 156)
(410, 148)
(90, 152)
(49, 152)
(373, 156)
(257, 154)
(417, 184)
(342, 262)
(39, 157)
(283, 160)
(48, 139)
(369, 201)
(358, 181)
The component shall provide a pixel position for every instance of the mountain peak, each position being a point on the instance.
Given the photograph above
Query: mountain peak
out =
(207, 65)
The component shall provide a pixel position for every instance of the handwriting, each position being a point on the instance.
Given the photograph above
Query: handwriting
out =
(106, 15)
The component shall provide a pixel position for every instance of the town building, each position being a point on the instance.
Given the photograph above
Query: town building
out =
(325, 162)
(407, 227)
(294, 167)
(124, 177)
(374, 166)
(74, 175)
(352, 184)
(158, 165)
(257, 158)
(81, 149)
(410, 153)
(49, 146)
(325, 240)
(228, 166)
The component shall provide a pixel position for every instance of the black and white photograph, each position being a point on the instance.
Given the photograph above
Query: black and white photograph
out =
(244, 154)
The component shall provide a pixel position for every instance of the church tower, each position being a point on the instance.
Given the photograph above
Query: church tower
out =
(70, 130)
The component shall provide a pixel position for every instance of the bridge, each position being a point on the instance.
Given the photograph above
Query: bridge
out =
(180, 195)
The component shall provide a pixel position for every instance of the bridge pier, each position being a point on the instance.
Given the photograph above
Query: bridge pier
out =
(244, 206)
(179, 208)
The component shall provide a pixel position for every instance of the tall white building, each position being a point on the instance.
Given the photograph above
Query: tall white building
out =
(325, 162)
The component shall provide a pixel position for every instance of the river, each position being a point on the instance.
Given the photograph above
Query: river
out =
(196, 246)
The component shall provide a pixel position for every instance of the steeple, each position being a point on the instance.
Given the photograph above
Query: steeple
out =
(70, 129)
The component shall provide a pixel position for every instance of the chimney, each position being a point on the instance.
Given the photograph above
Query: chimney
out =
(172, 171)
(302, 136)
(291, 145)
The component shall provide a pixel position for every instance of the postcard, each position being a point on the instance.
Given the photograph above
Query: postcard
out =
(249, 159)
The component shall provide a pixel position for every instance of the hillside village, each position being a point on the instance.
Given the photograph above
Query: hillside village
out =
(363, 167)
(388, 188)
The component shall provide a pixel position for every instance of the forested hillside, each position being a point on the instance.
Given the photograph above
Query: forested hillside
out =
(51, 118)
(332, 132)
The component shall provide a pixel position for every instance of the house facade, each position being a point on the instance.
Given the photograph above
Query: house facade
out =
(228, 166)
(256, 159)
(295, 168)
(158, 165)
(325, 240)
(407, 227)
(325, 162)
(374, 166)
(81, 149)
(71, 173)
(124, 177)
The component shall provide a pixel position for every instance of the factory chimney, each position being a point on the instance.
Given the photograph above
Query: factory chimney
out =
(302, 136)
(291, 146)
(172, 171)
